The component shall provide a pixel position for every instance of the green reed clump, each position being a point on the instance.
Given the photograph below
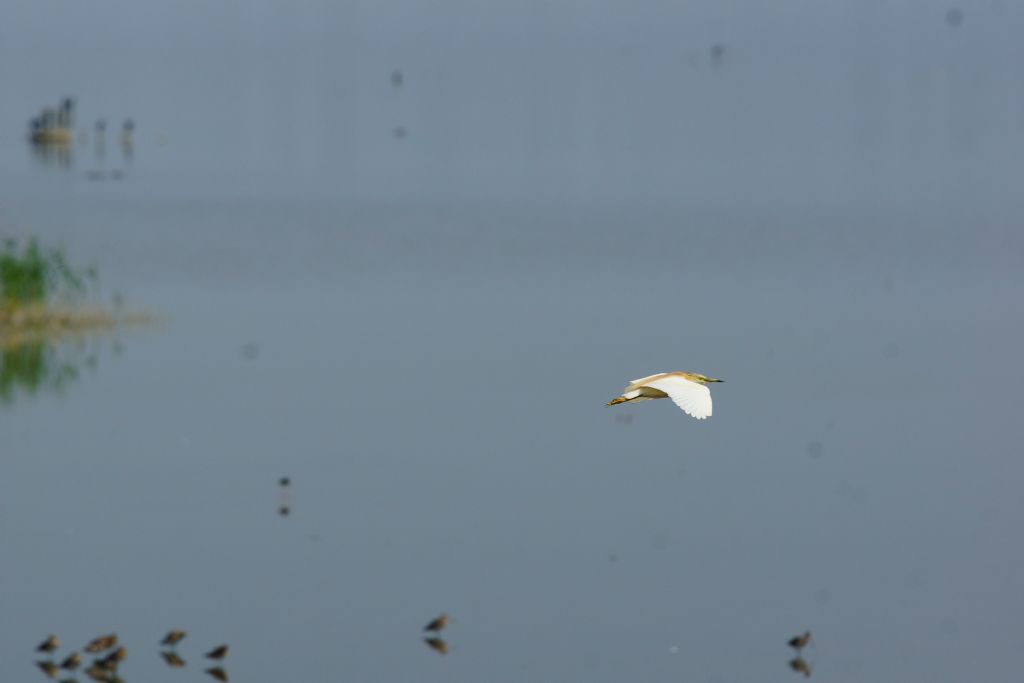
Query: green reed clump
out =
(32, 274)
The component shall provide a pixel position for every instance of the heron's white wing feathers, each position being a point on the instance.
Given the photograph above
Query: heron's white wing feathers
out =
(693, 398)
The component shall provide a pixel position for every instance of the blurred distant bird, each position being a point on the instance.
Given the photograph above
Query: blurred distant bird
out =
(71, 662)
(284, 481)
(437, 624)
(98, 673)
(127, 129)
(800, 642)
(172, 659)
(219, 652)
(51, 643)
(101, 643)
(800, 666)
(48, 668)
(114, 658)
(437, 645)
(686, 389)
(173, 638)
(219, 673)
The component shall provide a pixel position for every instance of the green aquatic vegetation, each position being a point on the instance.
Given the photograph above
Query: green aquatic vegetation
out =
(30, 273)
(36, 366)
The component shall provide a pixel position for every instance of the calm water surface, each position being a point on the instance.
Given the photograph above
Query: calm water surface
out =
(421, 333)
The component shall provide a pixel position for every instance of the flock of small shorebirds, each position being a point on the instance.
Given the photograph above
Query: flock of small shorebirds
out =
(103, 669)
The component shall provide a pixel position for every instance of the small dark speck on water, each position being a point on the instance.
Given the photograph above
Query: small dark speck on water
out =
(284, 481)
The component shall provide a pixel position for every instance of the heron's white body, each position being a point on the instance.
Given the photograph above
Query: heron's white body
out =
(686, 389)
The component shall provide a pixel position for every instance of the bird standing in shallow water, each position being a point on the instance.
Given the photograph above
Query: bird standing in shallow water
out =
(437, 624)
(102, 643)
(800, 642)
(686, 389)
(49, 645)
(173, 638)
(71, 662)
(219, 652)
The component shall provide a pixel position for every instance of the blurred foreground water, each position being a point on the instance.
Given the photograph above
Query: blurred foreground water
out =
(420, 332)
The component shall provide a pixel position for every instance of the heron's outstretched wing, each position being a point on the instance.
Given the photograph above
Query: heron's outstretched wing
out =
(693, 398)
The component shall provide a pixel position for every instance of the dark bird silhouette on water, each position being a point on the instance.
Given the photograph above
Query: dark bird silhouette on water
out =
(173, 638)
(71, 662)
(219, 652)
(437, 645)
(113, 659)
(800, 642)
(101, 643)
(437, 624)
(51, 643)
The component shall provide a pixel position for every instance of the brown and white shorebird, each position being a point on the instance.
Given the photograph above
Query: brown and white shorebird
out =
(173, 638)
(686, 389)
(51, 643)
(219, 652)
(437, 624)
(71, 662)
(800, 642)
(101, 643)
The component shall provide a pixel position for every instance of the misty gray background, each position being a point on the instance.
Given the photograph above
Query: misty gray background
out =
(828, 219)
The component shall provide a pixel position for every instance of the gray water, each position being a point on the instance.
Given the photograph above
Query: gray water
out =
(421, 333)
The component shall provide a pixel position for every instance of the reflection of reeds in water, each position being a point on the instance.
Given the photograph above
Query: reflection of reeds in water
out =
(437, 645)
(218, 672)
(173, 660)
(51, 643)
